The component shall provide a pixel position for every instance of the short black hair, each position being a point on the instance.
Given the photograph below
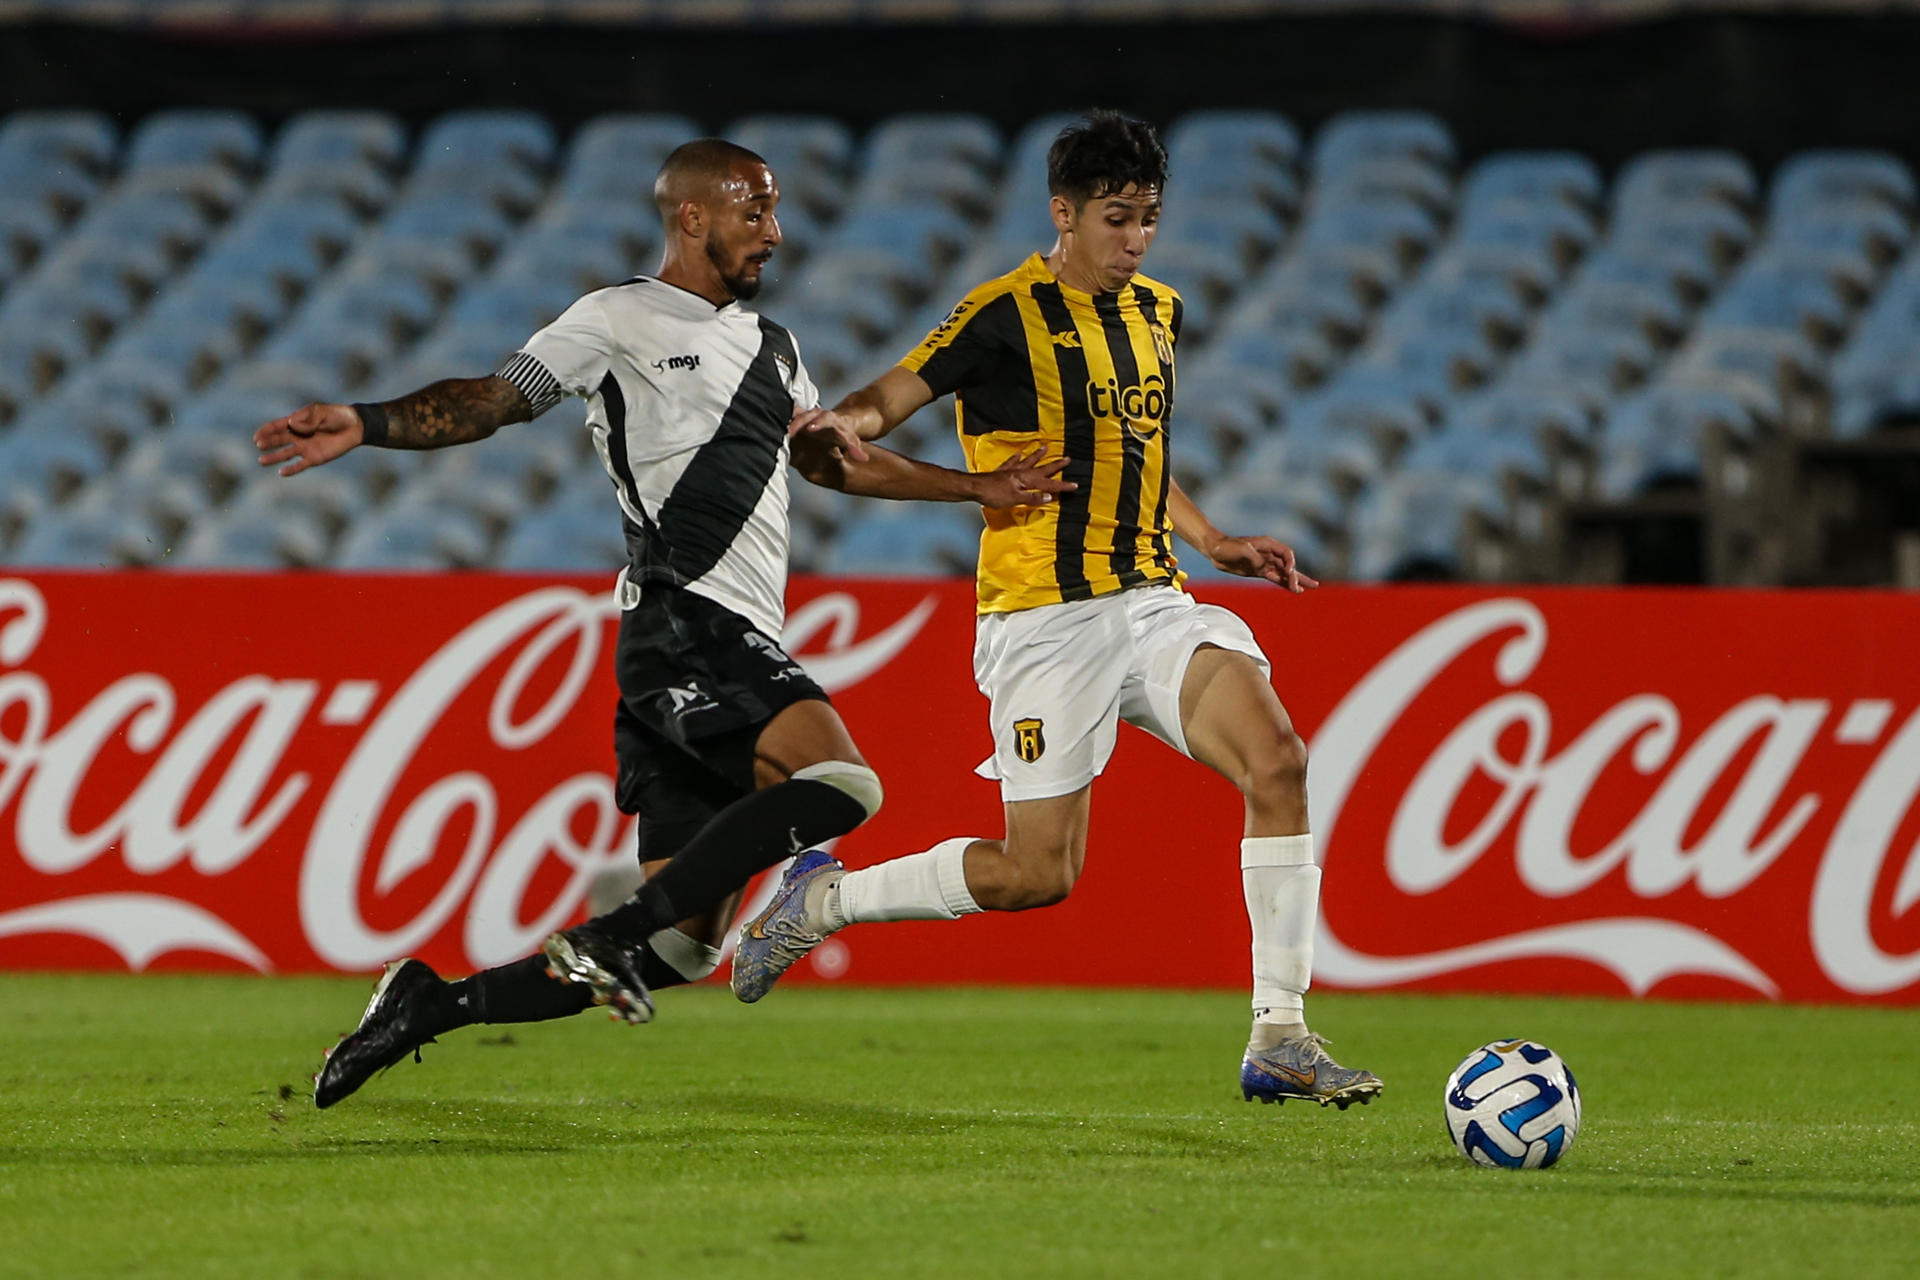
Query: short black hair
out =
(1102, 153)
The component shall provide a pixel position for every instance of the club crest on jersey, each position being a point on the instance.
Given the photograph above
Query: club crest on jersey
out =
(786, 367)
(1162, 342)
(1028, 741)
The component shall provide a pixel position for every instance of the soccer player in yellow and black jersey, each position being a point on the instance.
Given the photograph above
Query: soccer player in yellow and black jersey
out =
(1063, 371)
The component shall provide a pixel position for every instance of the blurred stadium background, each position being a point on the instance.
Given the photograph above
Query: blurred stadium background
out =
(1532, 291)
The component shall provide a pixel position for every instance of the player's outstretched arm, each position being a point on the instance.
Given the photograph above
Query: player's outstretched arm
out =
(453, 411)
(1251, 557)
(1025, 479)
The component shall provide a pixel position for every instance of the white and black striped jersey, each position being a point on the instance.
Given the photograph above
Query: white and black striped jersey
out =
(688, 403)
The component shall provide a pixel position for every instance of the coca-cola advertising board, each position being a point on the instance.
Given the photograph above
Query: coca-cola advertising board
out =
(1677, 793)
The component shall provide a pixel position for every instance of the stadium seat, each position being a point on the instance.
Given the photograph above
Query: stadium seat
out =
(566, 536)
(810, 154)
(899, 139)
(913, 540)
(170, 139)
(414, 538)
(1534, 177)
(84, 139)
(1241, 134)
(1353, 136)
(1817, 178)
(616, 156)
(1654, 180)
(332, 136)
(486, 137)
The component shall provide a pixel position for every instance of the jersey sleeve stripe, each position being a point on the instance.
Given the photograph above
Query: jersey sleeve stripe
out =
(540, 387)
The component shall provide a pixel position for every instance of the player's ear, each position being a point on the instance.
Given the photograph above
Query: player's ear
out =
(693, 218)
(1063, 214)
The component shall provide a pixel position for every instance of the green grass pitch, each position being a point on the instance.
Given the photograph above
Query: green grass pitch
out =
(162, 1126)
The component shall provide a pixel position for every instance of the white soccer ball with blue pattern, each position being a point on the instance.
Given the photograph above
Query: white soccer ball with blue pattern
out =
(1513, 1105)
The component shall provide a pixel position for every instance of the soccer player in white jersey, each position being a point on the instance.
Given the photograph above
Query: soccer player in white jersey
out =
(1083, 621)
(731, 755)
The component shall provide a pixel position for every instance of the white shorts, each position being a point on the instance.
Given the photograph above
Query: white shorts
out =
(1061, 677)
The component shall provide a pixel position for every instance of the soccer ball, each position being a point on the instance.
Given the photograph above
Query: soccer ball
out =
(1512, 1105)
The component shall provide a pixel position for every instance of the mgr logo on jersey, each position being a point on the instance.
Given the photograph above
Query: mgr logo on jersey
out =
(1028, 742)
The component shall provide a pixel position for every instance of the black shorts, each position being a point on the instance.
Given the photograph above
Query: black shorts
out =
(697, 685)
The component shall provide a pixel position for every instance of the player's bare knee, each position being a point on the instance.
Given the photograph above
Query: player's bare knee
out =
(1279, 771)
(1045, 884)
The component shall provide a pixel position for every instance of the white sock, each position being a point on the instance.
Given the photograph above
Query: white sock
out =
(920, 886)
(1282, 886)
(687, 956)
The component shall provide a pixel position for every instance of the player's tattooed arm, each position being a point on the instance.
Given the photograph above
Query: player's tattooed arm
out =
(455, 411)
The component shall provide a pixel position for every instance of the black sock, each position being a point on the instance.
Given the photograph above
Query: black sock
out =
(522, 992)
(519, 992)
(744, 839)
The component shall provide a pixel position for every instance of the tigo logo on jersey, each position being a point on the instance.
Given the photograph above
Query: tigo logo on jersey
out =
(676, 362)
(1028, 743)
(1141, 406)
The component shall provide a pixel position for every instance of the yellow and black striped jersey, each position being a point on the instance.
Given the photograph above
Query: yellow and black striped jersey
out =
(1031, 361)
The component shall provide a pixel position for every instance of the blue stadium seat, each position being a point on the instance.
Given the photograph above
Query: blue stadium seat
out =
(1866, 229)
(1562, 231)
(901, 138)
(486, 137)
(1718, 232)
(83, 139)
(1249, 233)
(1291, 298)
(174, 224)
(332, 136)
(1206, 181)
(1593, 362)
(617, 156)
(1784, 301)
(1400, 234)
(1652, 310)
(95, 538)
(1352, 136)
(360, 184)
(1242, 134)
(584, 261)
(168, 139)
(1655, 439)
(1388, 180)
(414, 538)
(804, 144)
(566, 537)
(1256, 506)
(59, 190)
(1688, 274)
(1821, 177)
(910, 541)
(1489, 311)
(287, 536)
(1530, 273)
(1653, 180)
(1535, 177)
(1411, 524)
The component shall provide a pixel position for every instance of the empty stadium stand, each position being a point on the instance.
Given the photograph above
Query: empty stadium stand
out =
(1407, 362)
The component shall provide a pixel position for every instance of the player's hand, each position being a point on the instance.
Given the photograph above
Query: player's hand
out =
(825, 429)
(313, 435)
(1024, 480)
(1261, 557)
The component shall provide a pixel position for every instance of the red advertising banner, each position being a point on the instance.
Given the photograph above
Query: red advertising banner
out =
(1683, 793)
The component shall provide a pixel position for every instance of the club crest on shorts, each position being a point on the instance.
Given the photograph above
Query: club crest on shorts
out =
(1028, 742)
